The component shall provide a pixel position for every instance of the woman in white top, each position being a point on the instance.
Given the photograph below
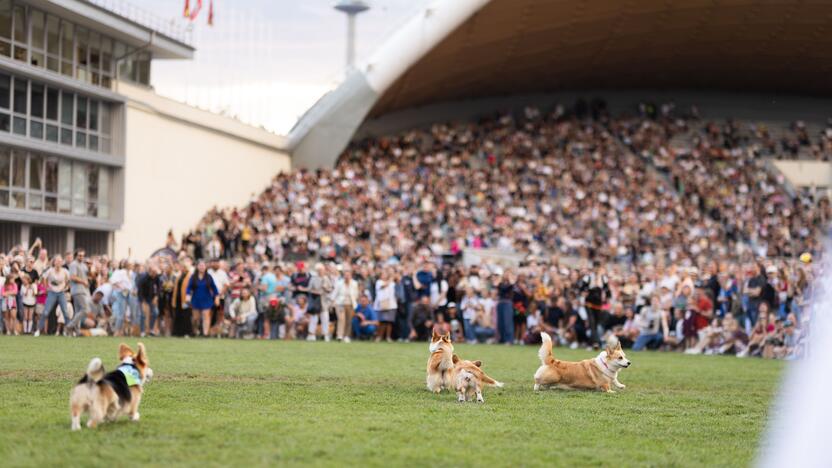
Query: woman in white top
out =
(345, 298)
(386, 305)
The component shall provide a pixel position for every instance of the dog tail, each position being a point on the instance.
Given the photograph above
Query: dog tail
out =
(545, 352)
(95, 370)
(489, 381)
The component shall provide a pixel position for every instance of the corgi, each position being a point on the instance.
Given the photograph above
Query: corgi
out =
(440, 362)
(470, 379)
(105, 396)
(599, 373)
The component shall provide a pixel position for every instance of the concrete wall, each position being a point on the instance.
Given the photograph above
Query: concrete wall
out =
(806, 173)
(180, 162)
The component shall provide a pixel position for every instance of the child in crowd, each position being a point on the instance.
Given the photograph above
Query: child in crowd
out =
(29, 298)
(10, 304)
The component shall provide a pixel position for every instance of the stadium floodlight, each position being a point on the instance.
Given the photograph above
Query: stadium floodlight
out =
(352, 8)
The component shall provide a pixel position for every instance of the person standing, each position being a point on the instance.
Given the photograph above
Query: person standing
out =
(121, 291)
(203, 295)
(385, 304)
(182, 323)
(346, 300)
(149, 286)
(57, 280)
(596, 290)
(315, 310)
(505, 308)
(79, 288)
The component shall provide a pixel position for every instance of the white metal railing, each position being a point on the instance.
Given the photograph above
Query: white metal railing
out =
(167, 27)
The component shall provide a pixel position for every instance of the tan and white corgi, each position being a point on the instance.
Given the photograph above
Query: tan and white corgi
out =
(599, 373)
(440, 363)
(470, 379)
(109, 395)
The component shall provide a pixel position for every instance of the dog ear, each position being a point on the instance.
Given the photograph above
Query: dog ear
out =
(434, 336)
(124, 351)
(455, 359)
(447, 337)
(141, 357)
(618, 346)
(609, 351)
(477, 363)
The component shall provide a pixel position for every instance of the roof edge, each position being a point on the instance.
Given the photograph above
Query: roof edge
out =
(419, 35)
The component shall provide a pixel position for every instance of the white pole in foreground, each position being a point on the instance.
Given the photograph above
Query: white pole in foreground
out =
(797, 431)
(352, 8)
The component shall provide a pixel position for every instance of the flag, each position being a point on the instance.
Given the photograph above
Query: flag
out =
(211, 13)
(195, 13)
(187, 12)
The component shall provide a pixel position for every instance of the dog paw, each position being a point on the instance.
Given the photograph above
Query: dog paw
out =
(134, 417)
(536, 387)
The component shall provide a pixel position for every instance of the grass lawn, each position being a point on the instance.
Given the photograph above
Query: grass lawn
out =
(276, 403)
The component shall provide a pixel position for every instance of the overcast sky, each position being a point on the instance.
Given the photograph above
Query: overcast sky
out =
(267, 61)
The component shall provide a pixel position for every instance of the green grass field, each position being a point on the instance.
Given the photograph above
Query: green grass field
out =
(276, 403)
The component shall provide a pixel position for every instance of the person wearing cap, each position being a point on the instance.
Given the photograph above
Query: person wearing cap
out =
(300, 280)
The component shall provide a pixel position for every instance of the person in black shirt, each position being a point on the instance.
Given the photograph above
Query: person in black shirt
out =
(505, 308)
(300, 280)
(596, 290)
(149, 286)
(555, 316)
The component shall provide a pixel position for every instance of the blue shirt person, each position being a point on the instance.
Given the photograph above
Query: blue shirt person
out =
(365, 321)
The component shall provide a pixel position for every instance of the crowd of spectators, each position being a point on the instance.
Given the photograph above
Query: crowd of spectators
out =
(661, 229)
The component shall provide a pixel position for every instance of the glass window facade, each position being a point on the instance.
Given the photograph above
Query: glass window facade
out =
(47, 41)
(36, 182)
(34, 110)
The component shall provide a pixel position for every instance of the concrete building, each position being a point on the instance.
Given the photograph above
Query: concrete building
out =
(89, 155)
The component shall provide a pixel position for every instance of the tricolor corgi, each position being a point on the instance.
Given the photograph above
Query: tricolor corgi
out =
(600, 373)
(109, 395)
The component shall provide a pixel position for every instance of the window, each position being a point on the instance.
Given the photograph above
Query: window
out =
(81, 56)
(67, 107)
(64, 186)
(38, 41)
(51, 104)
(35, 182)
(20, 32)
(81, 112)
(5, 91)
(37, 100)
(5, 28)
(20, 101)
(29, 108)
(93, 115)
(104, 193)
(51, 185)
(79, 182)
(92, 191)
(18, 192)
(5, 176)
(67, 48)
